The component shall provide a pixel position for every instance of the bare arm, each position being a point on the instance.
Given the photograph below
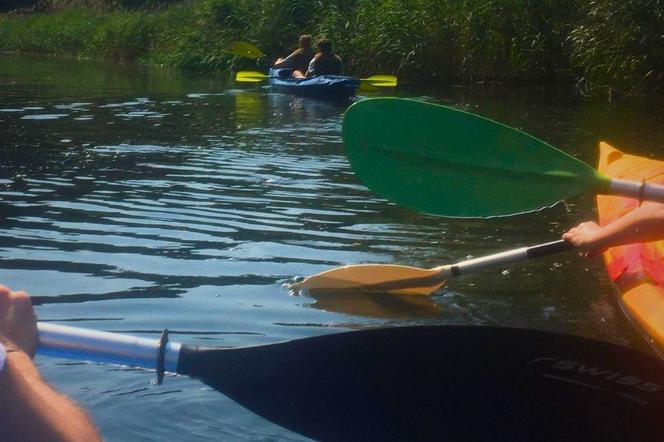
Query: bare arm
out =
(31, 409)
(643, 224)
(285, 62)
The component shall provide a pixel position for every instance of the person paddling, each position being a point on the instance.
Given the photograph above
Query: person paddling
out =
(30, 410)
(299, 59)
(325, 62)
(643, 224)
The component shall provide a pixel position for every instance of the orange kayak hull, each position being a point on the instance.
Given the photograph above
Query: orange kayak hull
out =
(636, 269)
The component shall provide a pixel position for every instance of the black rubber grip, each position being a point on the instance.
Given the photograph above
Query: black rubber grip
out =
(549, 248)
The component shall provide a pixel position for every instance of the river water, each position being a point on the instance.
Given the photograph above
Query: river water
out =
(134, 199)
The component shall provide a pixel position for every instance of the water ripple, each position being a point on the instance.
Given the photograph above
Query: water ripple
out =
(134, 209)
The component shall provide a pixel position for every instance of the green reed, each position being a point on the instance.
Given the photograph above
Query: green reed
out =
(604, 45)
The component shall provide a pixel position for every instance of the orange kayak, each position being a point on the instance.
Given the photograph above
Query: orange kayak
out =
(636, 269)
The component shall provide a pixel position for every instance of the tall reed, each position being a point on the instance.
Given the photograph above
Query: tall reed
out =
(613, 45)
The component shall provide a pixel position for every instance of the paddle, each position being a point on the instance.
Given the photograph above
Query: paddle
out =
(443, 161)
(250, 51)
(247, 50)
(404, 280)
(414, 383)
(374, 80)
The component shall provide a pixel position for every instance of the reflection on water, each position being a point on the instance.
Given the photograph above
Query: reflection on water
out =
(134, 199)
(375, 305)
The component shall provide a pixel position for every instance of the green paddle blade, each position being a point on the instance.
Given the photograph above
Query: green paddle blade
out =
(447, 162)
(246, 50)
(250, 77)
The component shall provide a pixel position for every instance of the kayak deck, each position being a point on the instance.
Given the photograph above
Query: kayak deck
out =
(337, 87)
(636, 269)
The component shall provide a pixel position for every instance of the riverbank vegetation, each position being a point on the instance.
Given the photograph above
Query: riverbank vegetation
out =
(604, 45)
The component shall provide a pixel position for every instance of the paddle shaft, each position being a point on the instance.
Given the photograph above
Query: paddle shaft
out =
(520, 254)
(642, 191)
(113, 348)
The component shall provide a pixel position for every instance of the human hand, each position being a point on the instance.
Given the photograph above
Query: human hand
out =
(585, 237)
(18, 323)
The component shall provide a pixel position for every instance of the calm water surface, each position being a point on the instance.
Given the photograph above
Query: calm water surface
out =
(136, 199)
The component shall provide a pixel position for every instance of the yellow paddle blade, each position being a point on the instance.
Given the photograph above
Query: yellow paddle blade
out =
(381, 80)
(250, 76)
(394, 279)
(246, 50)
(366, 87)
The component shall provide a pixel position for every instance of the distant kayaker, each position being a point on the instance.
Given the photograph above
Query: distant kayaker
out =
(299, 59)
(643, 224)
(30, 410)
(325, 62)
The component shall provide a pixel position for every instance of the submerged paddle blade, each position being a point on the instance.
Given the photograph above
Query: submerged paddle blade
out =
(250, 77)
(447, 162)
(246, 50)
(442, 383)
(394, 279)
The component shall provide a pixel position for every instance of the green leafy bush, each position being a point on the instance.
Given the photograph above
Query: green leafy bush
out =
(619, 46)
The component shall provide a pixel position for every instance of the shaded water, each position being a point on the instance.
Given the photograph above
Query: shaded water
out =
(136, 199)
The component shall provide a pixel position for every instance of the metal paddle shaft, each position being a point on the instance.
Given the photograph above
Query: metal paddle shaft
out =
(642, 191)
(447, 162)
(83, 344)
(426, 383)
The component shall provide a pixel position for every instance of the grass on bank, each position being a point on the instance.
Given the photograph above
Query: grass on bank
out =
(603, 45)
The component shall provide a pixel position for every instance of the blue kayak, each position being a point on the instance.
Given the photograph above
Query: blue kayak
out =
(331, 87)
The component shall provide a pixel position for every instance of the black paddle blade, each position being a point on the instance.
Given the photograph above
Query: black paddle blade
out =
(443, 383)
